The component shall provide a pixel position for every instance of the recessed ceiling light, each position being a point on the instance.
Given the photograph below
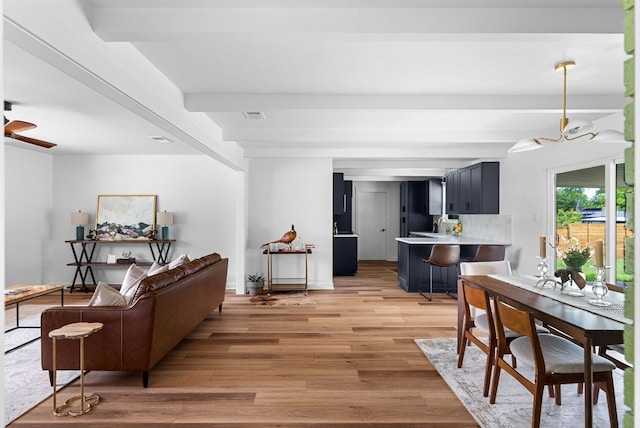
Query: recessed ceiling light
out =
(255, 115)
(160, 139)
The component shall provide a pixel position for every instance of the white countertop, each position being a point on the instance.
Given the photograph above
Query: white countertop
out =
(346, 235)
(428, 238)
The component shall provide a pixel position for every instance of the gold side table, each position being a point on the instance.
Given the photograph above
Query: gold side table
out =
(78, 330)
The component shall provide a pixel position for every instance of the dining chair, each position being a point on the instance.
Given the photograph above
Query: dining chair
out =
(502, 267)
(555, 360)
(477, 298)
(489, 253)
(478, 314)
(614, 353)
(442, 256)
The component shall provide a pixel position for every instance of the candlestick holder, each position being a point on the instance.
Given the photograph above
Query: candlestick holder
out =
(545, 280)
(599, 287)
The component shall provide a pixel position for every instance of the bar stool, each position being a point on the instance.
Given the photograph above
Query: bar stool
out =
(443, 256)
(78, 330)
(489, 253)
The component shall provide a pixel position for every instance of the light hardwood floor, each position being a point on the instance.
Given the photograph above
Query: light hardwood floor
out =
(348, 360)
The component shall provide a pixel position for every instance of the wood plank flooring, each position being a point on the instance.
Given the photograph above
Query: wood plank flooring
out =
(349, 360)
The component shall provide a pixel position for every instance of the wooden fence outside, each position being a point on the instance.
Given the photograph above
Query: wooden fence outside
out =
(591, 232)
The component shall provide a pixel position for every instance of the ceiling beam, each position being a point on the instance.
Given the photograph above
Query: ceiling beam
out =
(166, 22)
(219, 102)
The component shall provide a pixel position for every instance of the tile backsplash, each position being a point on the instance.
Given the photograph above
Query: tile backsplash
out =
(496, 227)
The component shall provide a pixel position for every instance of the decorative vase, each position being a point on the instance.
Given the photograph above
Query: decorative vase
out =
(573, 288)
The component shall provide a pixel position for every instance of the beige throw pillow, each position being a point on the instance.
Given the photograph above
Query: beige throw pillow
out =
(181, 260)
(106, 295)
(135, 274)
(157, 268)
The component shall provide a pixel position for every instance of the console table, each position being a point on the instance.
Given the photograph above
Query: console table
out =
(83, 251)
(288, 284)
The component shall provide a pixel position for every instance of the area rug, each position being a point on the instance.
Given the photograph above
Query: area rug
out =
(283, 299)
(514, 403)
(25, 383)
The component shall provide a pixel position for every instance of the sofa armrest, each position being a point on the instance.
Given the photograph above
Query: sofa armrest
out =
(122, 344)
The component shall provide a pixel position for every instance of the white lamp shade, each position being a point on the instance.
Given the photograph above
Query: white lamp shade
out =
(608, 136)
(164, 218)
(576, 128)
(79, 218)
(525, 145)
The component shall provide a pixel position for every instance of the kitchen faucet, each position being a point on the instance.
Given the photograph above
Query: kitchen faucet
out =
(439, 225)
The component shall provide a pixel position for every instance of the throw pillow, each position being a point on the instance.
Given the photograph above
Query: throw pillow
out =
(106, 295)
(181, 260)
(157, 268)
(135, 274)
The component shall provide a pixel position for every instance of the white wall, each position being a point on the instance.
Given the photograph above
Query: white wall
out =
(28, 202)
(202, 194)
(208, 200)
(524, 179)
(285, 191)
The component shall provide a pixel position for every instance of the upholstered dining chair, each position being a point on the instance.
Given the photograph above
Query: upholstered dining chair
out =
(442, 256)
(555, 360)
(478, 314)
(477, 298)
(613, 353)
(502, 267)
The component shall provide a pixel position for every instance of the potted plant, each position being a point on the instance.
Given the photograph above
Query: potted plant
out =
(255, 284)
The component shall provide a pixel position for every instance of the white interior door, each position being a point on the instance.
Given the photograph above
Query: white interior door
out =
(371, 220)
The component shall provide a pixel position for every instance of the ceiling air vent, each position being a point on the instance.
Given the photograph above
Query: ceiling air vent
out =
(160, 139)
(254, 115)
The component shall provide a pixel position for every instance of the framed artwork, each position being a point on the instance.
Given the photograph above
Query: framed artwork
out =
(126, 217)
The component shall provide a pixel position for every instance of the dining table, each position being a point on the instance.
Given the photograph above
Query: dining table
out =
(571, 315)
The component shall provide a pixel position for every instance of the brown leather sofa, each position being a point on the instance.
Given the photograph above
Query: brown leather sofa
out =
(165, 308)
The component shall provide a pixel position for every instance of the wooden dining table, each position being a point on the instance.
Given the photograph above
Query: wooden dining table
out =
(586, 328)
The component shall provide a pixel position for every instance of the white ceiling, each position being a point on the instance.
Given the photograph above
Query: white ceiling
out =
(384, 87)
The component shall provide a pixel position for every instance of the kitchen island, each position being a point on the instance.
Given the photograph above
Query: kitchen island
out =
(413, 273)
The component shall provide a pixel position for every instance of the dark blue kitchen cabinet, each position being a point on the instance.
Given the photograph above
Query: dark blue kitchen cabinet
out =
(474, 189)
(345, 255)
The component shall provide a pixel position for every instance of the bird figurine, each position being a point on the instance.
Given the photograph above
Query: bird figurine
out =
(287, 238)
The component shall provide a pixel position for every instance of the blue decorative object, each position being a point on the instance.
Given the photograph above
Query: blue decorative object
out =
(165, 219)
(79, 233)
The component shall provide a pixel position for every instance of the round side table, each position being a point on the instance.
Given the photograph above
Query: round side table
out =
(78, 330)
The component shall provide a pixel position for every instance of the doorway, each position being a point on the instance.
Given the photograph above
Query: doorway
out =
(371, 220)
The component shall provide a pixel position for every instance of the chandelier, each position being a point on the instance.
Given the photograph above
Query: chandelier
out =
(568, 130)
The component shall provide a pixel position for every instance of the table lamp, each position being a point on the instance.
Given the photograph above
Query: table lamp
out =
(79, 219)
(165, 219)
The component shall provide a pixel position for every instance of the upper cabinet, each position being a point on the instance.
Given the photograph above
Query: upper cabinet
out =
(451, 197)
(474, 189)
(344, 221)
(433, 196)
(339, 195)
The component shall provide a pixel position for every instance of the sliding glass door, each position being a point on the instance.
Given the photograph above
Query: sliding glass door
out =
(590, 206)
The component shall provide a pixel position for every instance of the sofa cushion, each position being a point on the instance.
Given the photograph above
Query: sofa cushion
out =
(106, 295)
(135, 274)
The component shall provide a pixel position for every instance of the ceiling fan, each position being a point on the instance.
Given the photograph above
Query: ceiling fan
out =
(11, 128)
